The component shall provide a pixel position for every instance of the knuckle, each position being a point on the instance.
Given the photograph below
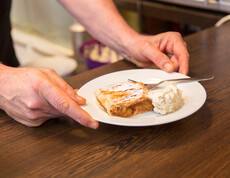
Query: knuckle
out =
(33, 124)
(175, 35)
(31, 116)
(32, 105)
(68, 88)
(37, 77)
(178, 34)
(146, 45)
(36, 72)
(147, 48)
(62, 105)
(34, 119)
(49, 70)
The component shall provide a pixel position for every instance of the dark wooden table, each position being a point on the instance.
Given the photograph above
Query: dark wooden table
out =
(197, 146)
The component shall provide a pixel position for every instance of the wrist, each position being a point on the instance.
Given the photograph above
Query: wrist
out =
(127, 42)
(3, 75)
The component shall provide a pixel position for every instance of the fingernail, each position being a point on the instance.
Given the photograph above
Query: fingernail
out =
(93, 125)
(168, 67)
(80, 99)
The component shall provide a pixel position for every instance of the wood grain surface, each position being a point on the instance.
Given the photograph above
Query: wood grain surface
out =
(197, 146)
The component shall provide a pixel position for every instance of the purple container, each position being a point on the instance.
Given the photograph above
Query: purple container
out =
(85, 50)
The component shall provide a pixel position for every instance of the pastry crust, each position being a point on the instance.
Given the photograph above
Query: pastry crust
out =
(124, 99)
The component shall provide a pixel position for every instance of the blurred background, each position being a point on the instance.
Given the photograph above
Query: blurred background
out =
(42, 18)
(46, 35)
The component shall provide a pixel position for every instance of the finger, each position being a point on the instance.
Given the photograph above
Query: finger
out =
(27, 122)
(80, 99)
(160, 59)
(183, 58)
(68, 89)
(184, 63)
(28, 117)
(175, 63)
(179, 50)
(64, 104)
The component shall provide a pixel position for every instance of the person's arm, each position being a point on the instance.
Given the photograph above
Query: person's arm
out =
(103, 21)
(32, 95)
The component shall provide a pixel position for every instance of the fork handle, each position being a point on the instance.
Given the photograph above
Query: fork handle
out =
(191, 79)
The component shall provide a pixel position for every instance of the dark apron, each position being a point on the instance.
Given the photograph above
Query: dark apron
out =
(7, 54)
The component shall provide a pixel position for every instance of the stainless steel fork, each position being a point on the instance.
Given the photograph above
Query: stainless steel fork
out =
(192, 79)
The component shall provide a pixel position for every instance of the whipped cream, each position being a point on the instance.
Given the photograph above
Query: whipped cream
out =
(167, 100)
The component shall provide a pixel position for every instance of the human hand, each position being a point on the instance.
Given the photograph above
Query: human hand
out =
(32, 96)
(167, 50)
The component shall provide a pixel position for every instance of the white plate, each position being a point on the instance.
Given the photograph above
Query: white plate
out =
(193, 93)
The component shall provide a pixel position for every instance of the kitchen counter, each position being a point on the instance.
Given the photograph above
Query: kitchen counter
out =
(196, 146)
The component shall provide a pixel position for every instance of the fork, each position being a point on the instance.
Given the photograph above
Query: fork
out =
(192, 79)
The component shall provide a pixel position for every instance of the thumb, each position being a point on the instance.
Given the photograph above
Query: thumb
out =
(153, 54)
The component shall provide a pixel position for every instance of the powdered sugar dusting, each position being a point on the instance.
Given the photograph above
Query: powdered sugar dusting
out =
(128, 91)
(123, 86)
